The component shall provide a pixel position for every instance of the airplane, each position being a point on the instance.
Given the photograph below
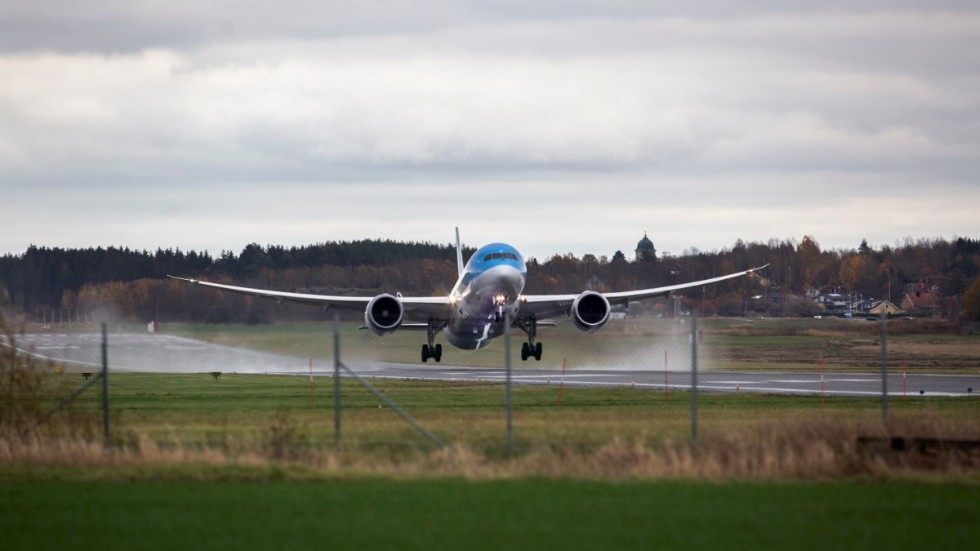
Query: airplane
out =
(488, 295)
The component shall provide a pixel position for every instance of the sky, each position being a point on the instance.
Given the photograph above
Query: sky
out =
(571, 126)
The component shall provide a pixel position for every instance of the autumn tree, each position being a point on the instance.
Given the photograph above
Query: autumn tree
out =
(971, 301)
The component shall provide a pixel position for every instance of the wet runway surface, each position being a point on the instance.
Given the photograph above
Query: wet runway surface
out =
(769, 382)
(153, 354)
(171, 354)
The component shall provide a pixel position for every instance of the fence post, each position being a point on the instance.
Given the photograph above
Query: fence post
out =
(510, 405)
(884, 367)
(694, 378)
(105, 386)
(336, 380)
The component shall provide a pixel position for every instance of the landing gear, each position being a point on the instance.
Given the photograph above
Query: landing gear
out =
(434, 352)
(528, 351)
(431, 350)
(530, 348)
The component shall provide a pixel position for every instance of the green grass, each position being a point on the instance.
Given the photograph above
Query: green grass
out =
(386, 489)
(454, 514)
(199, 463)
(243, 412)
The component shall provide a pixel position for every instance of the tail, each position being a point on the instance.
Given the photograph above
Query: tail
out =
(459, 254)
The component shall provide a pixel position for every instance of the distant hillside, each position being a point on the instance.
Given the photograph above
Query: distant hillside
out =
(72, 282)
(41, 276)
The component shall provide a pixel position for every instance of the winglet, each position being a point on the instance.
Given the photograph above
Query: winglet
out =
(459, 254)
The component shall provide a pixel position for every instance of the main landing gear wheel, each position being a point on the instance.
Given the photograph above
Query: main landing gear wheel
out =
(435, 353)
(430, 350)
(530, 348)
(528, 351)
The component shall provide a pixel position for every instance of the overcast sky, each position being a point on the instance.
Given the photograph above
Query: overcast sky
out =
(555, 125)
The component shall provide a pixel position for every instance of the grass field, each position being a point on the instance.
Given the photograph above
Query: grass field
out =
(245, 461)
(456, 514)
(161, 419)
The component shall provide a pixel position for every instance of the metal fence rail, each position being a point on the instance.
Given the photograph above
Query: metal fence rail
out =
(339, 366)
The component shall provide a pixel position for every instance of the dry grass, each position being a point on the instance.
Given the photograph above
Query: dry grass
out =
(824, 449)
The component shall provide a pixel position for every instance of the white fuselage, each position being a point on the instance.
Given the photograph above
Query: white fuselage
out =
(486, 296)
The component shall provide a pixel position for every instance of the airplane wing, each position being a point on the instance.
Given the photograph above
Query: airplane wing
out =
(416, 308)
(550, 306)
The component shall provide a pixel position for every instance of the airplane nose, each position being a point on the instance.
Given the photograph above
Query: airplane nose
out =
(515, 281)
(506, 281)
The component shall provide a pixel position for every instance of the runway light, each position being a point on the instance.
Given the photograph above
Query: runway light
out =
(921, 391)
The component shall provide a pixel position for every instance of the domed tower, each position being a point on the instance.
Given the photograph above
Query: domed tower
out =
(645, 249)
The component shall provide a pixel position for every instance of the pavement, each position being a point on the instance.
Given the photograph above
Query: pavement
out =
(171, 354)
(766, 382)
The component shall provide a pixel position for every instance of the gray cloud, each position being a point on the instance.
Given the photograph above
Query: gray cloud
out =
(559, 126)
(114, 26)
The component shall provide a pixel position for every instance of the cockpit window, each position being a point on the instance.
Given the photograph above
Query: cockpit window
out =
(499, 256)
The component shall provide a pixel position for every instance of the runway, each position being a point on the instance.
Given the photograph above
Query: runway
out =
(152, 353)
(766, 382)
(172, 354)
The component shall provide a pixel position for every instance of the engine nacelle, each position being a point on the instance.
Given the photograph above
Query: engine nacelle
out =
(384, 314)
(590, 311)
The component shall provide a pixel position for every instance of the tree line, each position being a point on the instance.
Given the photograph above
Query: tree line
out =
(132, 284)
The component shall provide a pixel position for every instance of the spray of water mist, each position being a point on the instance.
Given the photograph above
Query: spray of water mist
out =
(619, 348)
(150, 353)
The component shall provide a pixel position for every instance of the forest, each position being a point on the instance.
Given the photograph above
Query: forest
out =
(57, 285)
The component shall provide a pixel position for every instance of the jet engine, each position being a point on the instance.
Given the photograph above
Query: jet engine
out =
(590, 311)
(384, 314)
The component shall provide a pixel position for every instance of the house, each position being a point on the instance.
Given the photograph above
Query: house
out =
(920, 303)
(832, 301)
(882, 308)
